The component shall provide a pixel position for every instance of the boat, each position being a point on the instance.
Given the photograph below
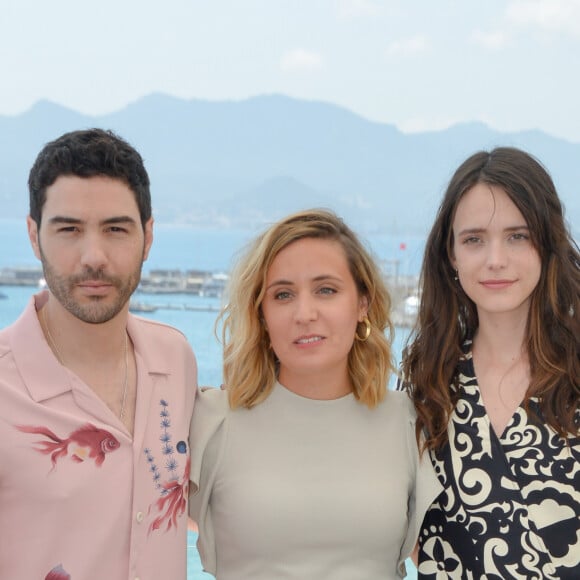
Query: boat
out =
(21, 276)
(141, 307)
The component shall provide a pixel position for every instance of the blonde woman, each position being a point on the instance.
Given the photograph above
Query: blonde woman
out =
(305, 466)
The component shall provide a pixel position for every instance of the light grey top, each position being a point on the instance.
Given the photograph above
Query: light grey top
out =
(296, 488)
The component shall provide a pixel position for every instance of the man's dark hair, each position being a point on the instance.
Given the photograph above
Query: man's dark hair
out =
(89, 153)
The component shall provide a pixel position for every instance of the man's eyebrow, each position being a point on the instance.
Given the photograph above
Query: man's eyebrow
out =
(121, 219)
(61, 219)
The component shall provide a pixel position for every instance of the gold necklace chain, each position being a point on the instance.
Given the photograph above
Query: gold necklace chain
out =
(125, 380)
(50, 339)
(60, 358)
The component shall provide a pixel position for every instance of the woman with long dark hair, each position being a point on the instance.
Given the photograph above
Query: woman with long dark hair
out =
(493, 367)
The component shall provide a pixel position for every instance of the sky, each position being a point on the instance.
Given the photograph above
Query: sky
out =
(420, 65)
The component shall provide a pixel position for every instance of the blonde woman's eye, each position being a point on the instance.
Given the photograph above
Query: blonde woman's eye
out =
(282, 295)
(327, 290)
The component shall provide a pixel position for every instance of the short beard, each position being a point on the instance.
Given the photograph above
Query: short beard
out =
(62, 287)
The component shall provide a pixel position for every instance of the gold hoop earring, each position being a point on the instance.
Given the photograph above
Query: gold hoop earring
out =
(367, 332)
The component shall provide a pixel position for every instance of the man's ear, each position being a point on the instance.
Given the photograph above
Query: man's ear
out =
(33, 236)
(148, 231)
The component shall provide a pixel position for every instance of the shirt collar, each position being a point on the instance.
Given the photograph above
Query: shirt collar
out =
(147, 345)
(41, 371)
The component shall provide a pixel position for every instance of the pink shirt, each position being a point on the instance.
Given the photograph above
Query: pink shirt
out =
(79, 497)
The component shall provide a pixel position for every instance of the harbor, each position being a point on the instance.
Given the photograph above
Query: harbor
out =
(138, 307)
(158, 284)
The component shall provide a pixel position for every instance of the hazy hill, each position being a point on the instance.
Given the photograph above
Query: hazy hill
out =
(243, 163)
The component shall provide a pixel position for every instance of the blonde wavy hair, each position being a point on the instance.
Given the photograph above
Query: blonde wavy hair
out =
(249, 364)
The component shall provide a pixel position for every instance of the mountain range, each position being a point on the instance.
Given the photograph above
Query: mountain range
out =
(245, 163)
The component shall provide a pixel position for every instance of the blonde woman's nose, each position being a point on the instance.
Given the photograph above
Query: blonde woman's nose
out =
(305, 309)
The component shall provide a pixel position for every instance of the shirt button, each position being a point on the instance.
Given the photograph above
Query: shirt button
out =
(140, 517)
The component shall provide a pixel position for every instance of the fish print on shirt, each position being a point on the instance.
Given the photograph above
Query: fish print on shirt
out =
(174, 489)
(58, 573)
(86, 442)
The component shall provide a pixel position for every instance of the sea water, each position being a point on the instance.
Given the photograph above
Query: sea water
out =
(185, 248)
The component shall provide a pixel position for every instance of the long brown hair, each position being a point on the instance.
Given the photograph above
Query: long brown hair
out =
(447, 317)
(250, 366)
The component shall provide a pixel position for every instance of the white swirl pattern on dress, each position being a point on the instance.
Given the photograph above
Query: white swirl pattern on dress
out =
(511, 505)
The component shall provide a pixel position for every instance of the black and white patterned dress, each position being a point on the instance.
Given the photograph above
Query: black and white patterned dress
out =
(510, 506)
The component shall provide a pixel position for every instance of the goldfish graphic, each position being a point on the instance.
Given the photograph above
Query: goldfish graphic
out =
(58, 573)
(87, 439)
(173, 502)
